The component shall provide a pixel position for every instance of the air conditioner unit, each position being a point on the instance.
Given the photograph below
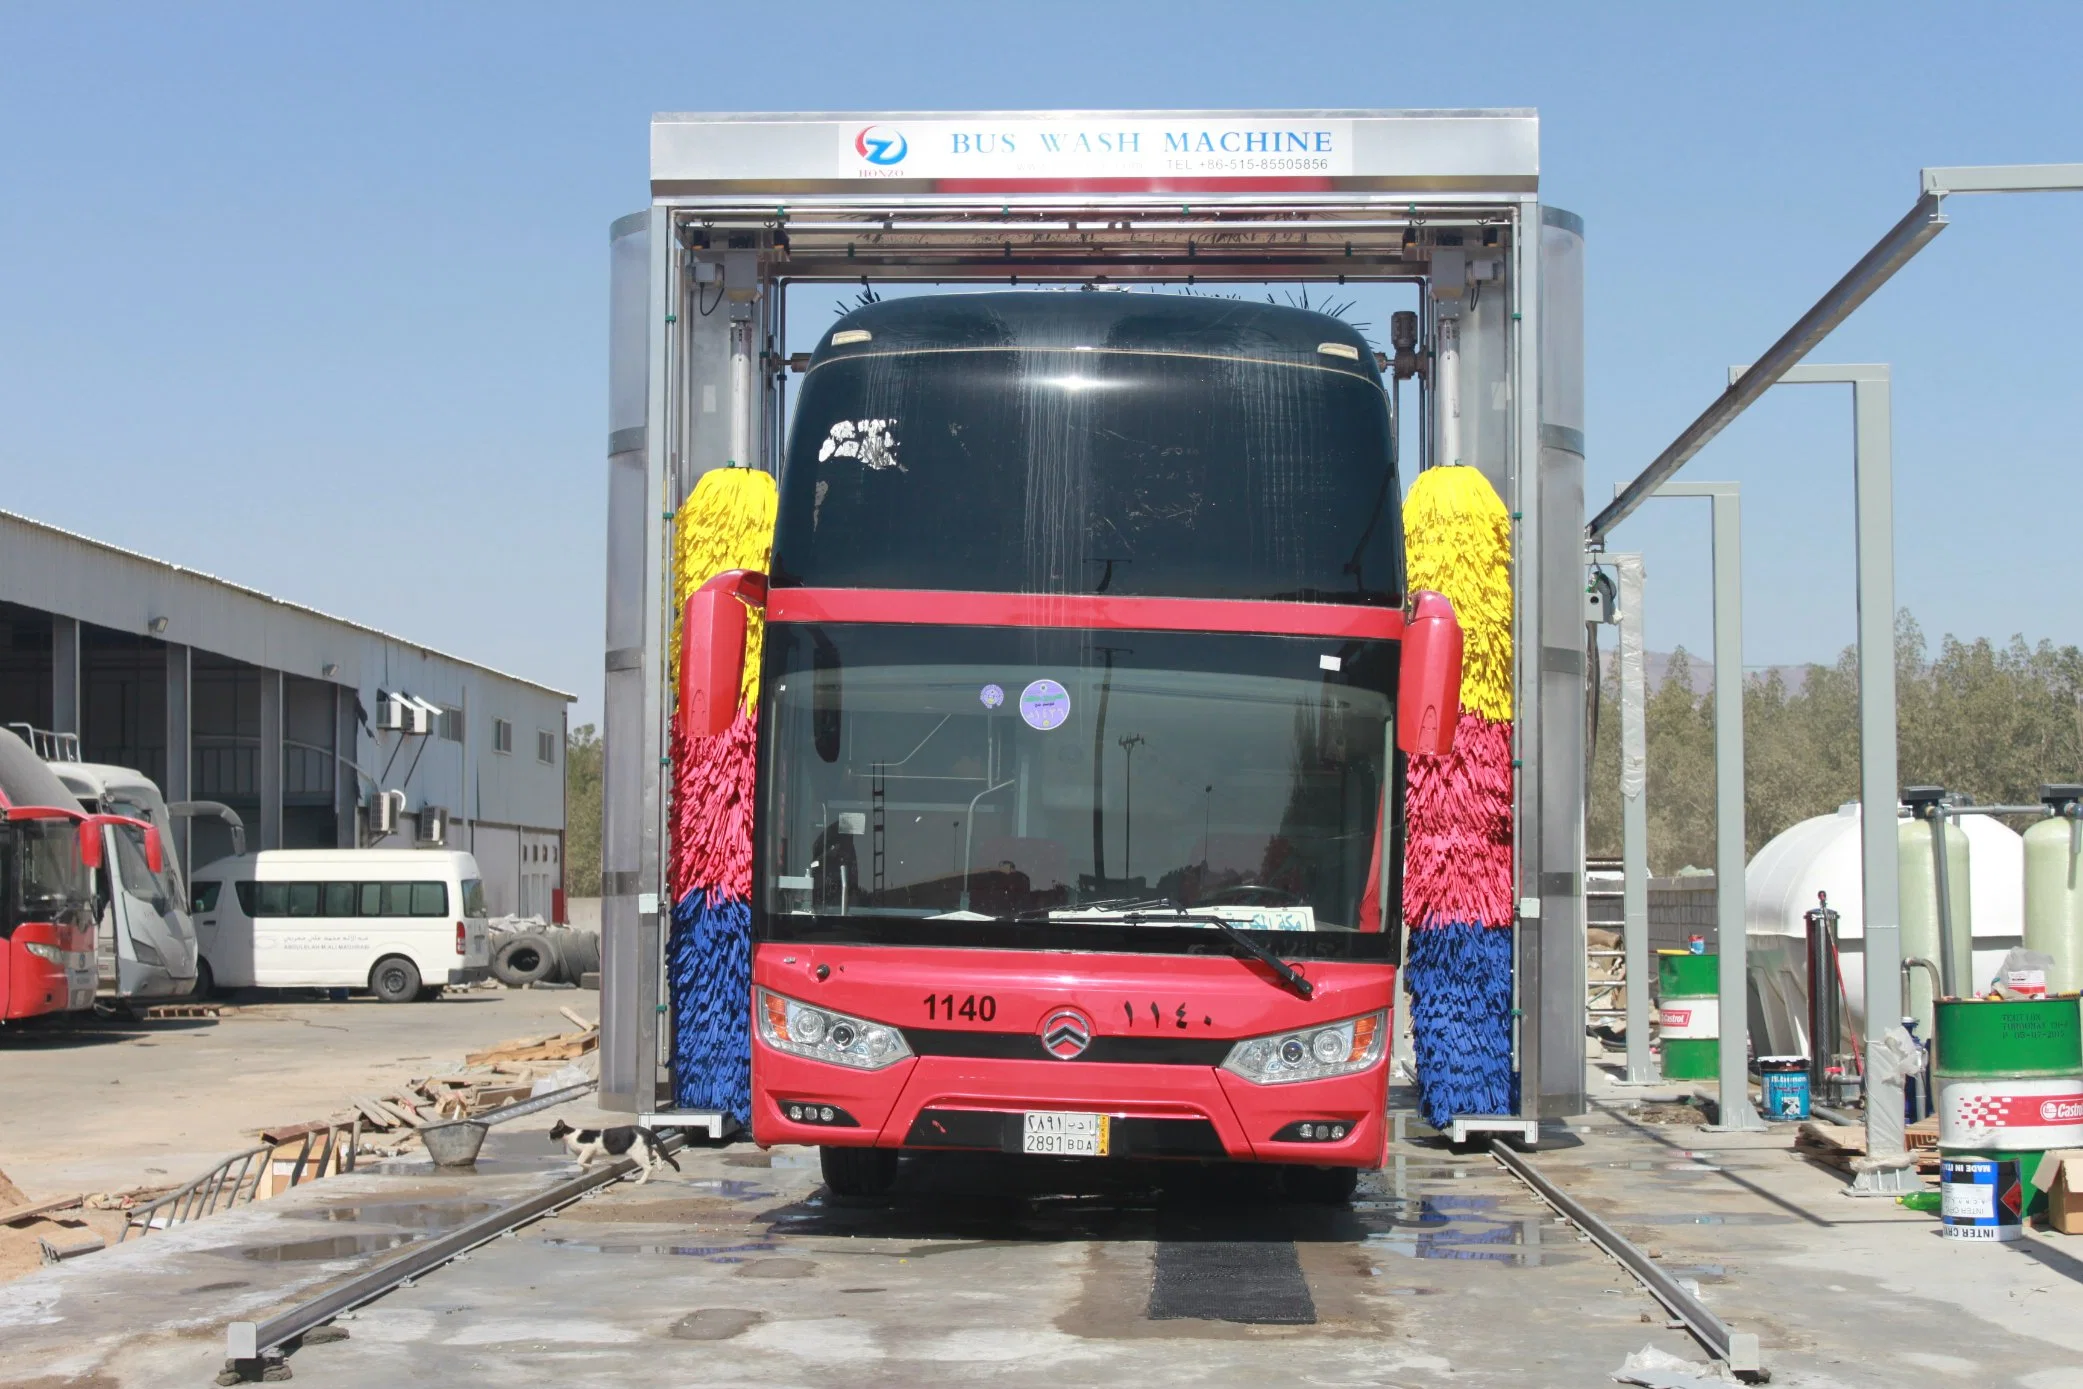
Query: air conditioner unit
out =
(384, 810)
(421, 717)
(390, 711)
(433, 825)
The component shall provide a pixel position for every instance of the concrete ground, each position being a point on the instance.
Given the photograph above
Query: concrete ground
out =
(100, 1105)
(740, 1269)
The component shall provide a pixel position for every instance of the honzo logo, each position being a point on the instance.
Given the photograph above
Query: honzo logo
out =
(881, 145)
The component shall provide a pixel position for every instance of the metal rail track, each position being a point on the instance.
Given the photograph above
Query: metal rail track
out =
(1738, 1348)
(248, 1342)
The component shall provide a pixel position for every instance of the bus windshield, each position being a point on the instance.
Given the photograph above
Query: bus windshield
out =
(1053, 775)
(50, 882)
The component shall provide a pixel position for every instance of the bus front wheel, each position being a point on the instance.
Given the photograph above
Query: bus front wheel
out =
(858, 1171)
(395, 979)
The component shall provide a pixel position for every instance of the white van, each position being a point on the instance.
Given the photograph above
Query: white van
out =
(401, 923)
(146, 946)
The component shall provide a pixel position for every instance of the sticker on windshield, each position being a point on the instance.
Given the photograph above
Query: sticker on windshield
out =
(992, 696)
(1045, 705)
(870, 441)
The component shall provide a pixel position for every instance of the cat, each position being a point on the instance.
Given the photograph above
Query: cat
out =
(629, 1140)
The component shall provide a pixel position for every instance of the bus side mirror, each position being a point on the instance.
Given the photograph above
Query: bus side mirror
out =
(712, 650)
(90, 842)
(155, 853)
(1428, 686)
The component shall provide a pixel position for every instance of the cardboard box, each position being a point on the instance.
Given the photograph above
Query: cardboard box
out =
(2060, 1175)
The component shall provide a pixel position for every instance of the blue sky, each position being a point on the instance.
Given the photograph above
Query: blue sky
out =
(313, 297)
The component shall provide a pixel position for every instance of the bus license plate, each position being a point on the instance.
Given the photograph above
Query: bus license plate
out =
(1064, 1135)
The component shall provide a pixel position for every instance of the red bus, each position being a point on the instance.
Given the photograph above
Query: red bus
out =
(1079, 789)
(48, 845)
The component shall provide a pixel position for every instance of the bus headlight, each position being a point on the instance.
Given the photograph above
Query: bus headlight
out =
(822, 1035)
(1310, 1053)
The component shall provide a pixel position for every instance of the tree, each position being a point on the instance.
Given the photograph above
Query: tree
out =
(582, 760)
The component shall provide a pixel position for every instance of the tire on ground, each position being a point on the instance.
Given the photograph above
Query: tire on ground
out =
(858, 1171)
(1321, 1186)
(395, 979)
(527, 957)
(578, 953)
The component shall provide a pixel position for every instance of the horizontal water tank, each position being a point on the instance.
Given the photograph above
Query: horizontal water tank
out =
(1822, 855)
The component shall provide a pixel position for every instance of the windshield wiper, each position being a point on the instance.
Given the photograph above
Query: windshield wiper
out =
(1105, 904)
(1230, 932)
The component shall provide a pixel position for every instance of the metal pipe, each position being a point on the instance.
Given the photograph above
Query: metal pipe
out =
(1910, 962)
(1448, 366)
(1942, 877)
(1634, 813)
(1739, 1349)
(1875, 268)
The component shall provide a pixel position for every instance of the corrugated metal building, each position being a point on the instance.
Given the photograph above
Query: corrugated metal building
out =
(219, 692)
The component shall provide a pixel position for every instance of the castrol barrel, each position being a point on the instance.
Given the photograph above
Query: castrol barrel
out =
(1688, 1014)
(2009, 1076)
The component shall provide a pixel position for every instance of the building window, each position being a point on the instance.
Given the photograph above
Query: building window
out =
(502, 736)
(452, 725)
(545, 747)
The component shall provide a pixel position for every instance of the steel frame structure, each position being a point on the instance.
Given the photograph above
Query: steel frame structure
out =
(744, 207)
(1884, 1171)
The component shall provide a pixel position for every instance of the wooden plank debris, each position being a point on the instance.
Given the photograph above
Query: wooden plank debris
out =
(15, 1215)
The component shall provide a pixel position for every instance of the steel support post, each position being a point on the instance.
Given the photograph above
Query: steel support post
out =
(1634, 813)
(1873, 473)
(65, 674)
(180, 744)
(626, 1014)
(1733, 944)
(268, 775)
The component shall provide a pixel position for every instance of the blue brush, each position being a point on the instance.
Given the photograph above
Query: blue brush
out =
(1460, 980)
(709, 967)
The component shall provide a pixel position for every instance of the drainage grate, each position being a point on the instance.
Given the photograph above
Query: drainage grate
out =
(1256, 1282)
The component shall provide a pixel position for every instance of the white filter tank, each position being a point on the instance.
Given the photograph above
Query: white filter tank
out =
(1822, 855)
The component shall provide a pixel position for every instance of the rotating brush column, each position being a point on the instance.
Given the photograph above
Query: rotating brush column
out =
(726, 523)
(1457, 864)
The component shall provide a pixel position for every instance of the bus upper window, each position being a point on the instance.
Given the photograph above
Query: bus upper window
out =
(474, 897)
(397, 899)
(371, 898)
(430, 899)
(303, 899)
(205, 899)
(273, 899)
(338, 899)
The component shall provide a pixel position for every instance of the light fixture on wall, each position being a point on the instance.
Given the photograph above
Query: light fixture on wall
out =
(329, 669)
(156, 625)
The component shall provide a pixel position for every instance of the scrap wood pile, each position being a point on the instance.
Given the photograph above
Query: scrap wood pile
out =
(1836, 1146)
(488, 1080)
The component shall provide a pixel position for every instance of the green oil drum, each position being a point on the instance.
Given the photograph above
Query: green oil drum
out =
(1689, 1014)
(2009, 1076)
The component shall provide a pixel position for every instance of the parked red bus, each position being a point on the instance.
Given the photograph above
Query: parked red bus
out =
(48, 845)
(1079, 789)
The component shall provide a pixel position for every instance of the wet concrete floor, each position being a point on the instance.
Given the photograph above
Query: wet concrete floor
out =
(742, 1269)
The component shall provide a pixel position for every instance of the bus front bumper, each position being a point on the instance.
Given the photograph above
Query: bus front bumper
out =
(1154, 1111)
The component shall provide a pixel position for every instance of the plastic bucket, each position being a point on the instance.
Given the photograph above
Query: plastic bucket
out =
(1981, 1198)
(1785, 1080)
(1689, 1014)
